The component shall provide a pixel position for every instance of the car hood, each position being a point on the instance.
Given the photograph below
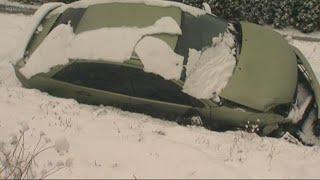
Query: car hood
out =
(266, 72)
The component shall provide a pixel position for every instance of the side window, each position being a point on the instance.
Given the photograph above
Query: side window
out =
(155, 87)
(72, 16)
(107, 77)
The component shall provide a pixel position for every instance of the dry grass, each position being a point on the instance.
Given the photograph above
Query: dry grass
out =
(20, 163)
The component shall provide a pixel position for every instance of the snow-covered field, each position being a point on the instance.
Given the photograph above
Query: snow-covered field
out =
(104, 142)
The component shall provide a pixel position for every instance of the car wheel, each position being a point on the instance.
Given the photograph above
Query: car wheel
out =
(191, 117)
(310, 129)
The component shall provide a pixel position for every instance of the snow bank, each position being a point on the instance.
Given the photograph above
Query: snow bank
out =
(161, 60)
(9, 41)
(7, 75)
(105, 142)
(111, 44)
(85, 3)
(208, 72)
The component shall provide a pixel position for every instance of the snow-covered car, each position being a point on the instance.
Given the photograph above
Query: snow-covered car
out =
(171, 61)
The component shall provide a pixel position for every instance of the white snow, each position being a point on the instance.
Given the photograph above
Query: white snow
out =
(113, 44)
(290, 32)
(193, 59)
(50, 53)
(9, 39)
(303, 100)
(161, 60)
(117, 44)
(39, 29)
(31, 27)
(62, 145)
(105, 142)
(208, 72)
(110, 44)
(207, 8)
(306, 131)
(161, 3)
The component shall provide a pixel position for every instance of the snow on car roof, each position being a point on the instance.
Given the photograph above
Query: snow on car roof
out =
(208, 71)
(161, 3)
(161, 60)
(62, 44)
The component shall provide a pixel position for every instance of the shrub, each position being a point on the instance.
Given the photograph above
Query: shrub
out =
(303, 15)
(19, 162)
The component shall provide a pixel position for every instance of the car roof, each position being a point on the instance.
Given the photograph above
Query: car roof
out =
(85, 16)
(92, 17)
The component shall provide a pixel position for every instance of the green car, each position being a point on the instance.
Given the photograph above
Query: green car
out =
(271, 88)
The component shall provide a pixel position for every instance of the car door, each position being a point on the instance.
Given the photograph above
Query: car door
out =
(94, 83)
(158, 97)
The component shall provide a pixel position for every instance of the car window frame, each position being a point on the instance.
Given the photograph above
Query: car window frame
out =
(127, 64)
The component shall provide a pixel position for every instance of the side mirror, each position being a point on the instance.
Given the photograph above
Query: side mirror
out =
(207, 8)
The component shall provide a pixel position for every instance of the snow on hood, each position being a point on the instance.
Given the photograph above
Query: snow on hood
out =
(30, 29)
(111, 44)
(161, 60)
(161, 3)
(209, 71)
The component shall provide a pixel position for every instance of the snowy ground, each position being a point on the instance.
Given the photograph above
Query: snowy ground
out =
(104, 142)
